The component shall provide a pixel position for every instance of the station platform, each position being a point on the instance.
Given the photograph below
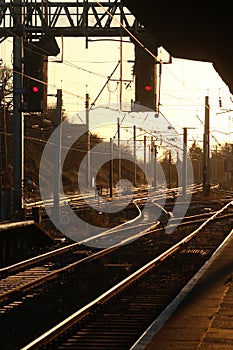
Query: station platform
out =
(201, 317)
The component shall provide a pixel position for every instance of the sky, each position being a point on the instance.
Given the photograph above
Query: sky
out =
(184, 85)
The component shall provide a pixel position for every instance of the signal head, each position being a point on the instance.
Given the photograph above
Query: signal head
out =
(148, 88)
(35, 89)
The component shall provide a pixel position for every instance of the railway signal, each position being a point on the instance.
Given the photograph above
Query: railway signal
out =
(33, 81)
(145, 89)
(148, 88)
(34, 97)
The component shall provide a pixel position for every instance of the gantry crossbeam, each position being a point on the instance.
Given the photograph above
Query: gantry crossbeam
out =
(80, 18)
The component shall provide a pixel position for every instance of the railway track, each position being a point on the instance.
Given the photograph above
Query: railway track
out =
(28, 274)
(117, 318)
(86, 283)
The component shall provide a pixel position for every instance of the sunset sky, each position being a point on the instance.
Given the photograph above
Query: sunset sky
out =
(184, 85)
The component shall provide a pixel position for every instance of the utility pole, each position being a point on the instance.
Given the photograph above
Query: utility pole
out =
(158, 94)
(111, 169)
(121, 70)
(18, 129)
(57, 170)
(88, 163)
(184, 167)
(145, 167)
(156, 90)
(134, 155)
(206, 150)
(184, 162)
(169, 168)
(151, 161)
(119, 148)
(155, 166)
(3, 143)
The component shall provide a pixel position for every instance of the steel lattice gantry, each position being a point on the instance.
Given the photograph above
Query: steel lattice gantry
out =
(80, 18)
(25, 20)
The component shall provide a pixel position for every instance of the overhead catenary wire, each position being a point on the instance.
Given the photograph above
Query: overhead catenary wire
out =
(156, 58)
(138, 41)
(91, 72)
(68, 63)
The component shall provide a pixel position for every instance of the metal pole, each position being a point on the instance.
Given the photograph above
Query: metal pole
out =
(206, 150)
(207, 123)
(3, 144)
(3, 136)
(204, 170)
(121, 71)
(155, 167)
(119, 148)
(151, 161)
(159, 87)
(169, 168)
(57, 175)
(227, 166)
(156, 82)
(144, 145)
(88, 164)
(184, 167)
(134, 155)
(86, 22)
(111, 168)
(18, 130)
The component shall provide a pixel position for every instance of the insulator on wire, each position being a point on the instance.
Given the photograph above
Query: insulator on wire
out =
(220, 102)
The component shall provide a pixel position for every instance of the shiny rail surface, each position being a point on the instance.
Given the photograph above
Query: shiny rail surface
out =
(35, 271)
(119, 316)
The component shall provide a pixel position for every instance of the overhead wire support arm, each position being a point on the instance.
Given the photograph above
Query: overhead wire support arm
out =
(109, 78)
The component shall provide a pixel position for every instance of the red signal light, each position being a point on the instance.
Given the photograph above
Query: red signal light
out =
(35, 89)
(148, 88)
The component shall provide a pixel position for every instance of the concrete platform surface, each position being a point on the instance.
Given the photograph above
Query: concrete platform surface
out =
(202, 316)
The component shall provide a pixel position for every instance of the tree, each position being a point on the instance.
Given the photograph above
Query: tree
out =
(196, 156)
(195, 151)
(6, 89)
(6, 105)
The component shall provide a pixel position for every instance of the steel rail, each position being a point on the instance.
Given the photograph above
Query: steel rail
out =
(48, 275)
(53, 333)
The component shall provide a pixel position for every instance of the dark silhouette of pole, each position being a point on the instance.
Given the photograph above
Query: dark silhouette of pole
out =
(119, 148)
(144, 145)
(155, 166)
(206, 151)
(134, 155)
(88, 172)
(3, 144)
(88, 161)
(169, 168)
(151, 161)
(57, 172)
(18, 129)
(184, 164)
(111, 169)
